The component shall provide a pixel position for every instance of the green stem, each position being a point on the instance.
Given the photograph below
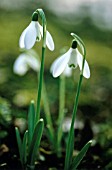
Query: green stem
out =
(42, 15)
(61, 113)
(40, 86)
(76, 102)
(70, 144)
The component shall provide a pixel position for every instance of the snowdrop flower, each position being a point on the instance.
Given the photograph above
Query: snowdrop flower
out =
(67, 71)
(33, 33)
(24, 62)
(71, 58)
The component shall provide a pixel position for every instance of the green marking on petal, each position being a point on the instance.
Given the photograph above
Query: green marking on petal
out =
(72, 65)
(38, 38)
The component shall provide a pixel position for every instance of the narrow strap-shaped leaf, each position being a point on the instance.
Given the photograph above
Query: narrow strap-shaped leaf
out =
(35, 142)
(31, 121)
(19, 142)
(76, 161)
(69, 150)
(24, 146)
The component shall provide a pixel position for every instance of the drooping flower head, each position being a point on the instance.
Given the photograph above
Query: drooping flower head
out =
(67, 71)
(34, 33)
(25, 61)
(72, 59)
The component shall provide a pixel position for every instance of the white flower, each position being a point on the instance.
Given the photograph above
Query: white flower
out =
(33, 33)
(24, 62)
(71, 58)
(67, 71)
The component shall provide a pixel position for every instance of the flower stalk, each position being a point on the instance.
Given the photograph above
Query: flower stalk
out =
(42, 15)
(28, 148)
(70, 144)
(40, 86)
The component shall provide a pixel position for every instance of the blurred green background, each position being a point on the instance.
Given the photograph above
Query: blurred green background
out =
(92, 21)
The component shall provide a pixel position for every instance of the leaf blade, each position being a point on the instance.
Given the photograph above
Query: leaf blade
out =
(35, 142)
(69, 150)
(24, 147)
(76, 161)
(31, 121)
(19, 142)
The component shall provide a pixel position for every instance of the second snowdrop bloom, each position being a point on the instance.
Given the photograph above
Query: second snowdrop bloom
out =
(24, 62)
(71, 58)
(67, 71)
(34, 33)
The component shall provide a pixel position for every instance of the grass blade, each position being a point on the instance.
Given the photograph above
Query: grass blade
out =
(69, 150)
(24, 147)
(76, 161)
(19, 142)
(35, 142)
(31, 121)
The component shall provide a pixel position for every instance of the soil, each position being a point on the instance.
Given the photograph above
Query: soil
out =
(94, 159)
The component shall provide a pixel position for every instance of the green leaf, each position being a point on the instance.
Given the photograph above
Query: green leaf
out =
(76, 161)
(69, 150)
(31, 121)
(24, 147)
(35, 142)
(19, 142)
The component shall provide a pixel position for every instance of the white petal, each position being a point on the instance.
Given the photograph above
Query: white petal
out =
(68, 71)
(30, 35)
(73, 59)
(61, 63)
(53, 64)
(86, 71)
(41, 29)
(21, 40)
(24, 62)
(49, 41)
(33, 63)
(20, 66)
(37, 25)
